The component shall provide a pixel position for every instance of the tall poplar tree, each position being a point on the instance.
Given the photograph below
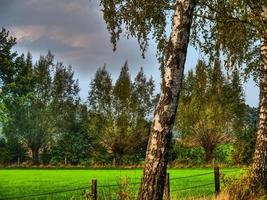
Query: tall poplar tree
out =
(122, 130)
(38, 113)
(141, 109)
(14, 85)
(100, 109)
(66, 110)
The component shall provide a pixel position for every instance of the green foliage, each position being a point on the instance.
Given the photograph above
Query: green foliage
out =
(11, 151)
(25, 98)
(195, 156)
(122, 89)
(231, 28)
(41, 106)
(100, 91)
(183, 154)
(119, 114)
(211, 108)
(72, 140)
(138, 19)
(244, 145)
(141, 107)
(47, 117)
(100, 112)
(41, 112)
(223, 154)
(3, 113)
(238, 187)
(6, 57)
(4, 154)
(74, 143)
(126, 191)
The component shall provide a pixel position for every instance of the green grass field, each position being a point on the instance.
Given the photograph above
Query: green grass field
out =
(184, 183)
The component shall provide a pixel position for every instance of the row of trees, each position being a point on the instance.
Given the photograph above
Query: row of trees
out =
(43, 118)
(42, 114)
(41, 105)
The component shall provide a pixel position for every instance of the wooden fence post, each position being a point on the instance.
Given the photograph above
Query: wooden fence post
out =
(217, 180)
(94, 189)
(167, 187)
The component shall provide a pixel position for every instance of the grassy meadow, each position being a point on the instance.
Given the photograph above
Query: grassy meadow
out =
(74, 183)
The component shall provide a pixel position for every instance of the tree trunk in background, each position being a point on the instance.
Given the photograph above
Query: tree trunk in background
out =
(66, 160)
(35, 156)
(160, 133)
(209, 155)
(117, 159)
(259, 167)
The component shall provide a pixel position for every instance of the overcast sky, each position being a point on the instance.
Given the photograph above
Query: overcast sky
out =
(76, 33)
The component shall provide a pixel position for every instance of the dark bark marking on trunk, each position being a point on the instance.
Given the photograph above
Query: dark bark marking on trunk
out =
(259, 165)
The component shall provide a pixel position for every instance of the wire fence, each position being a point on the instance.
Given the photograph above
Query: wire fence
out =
(193, 187)
(45, 193)
(183, 177)
(108, 189)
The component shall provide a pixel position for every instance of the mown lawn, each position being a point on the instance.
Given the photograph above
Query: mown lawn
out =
(62, 183)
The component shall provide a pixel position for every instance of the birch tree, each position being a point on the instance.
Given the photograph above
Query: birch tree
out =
(139, 19)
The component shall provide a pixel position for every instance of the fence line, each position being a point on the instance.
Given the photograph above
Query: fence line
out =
(45, 194)
(193, 187)
(107, 186)
(118, 185)
(183, 177)
(203, 174)
(63, 191)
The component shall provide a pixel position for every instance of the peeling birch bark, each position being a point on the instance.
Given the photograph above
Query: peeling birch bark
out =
(152, 183)
(259, 166)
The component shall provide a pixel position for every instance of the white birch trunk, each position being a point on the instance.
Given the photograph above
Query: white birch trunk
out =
(259, 166)
(160, 133)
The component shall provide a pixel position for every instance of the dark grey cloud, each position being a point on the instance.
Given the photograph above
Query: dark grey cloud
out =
(74, 30)
(81, 15)
(76, 33)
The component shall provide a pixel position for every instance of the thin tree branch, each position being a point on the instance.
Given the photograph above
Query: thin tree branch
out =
(228, 17)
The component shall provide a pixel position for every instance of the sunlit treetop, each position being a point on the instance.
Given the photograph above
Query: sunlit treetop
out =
(139, 19)
(231, 29)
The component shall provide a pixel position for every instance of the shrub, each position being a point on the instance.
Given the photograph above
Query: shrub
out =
(239, 188)
(223, 154)
(182, 154)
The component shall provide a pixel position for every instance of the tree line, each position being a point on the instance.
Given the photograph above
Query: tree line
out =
(43, 118)
(44, 121)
